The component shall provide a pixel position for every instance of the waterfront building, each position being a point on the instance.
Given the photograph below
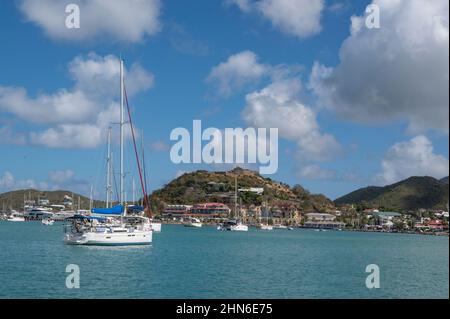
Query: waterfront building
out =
(324, 224)
(210, 210)
(437, 225)
(385, 219)
(256, 190)
(175, 211)
(254, 212)
(322, 221)
(320, 217)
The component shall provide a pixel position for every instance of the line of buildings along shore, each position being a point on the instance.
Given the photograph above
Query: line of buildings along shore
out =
(368, 220)
(252, 214)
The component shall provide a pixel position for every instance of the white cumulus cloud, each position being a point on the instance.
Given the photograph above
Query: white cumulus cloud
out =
(8, 182)
(8, 136)
(122, 20)
(399, 72)
(61, 176)
(315, 172)
(415, 157)
(278, 106)
(300, 18)
(240, 69)
(78, 117)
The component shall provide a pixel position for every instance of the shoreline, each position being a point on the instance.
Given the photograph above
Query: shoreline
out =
(440, 234)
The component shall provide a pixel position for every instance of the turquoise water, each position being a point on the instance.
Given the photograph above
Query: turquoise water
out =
(205, 263)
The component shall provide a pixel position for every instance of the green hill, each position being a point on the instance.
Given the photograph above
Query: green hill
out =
(15, 199)
(205, 186)
(411, 194)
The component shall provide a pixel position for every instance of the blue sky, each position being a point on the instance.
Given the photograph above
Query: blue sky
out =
(345, 139)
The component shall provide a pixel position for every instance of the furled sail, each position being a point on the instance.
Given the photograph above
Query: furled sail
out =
(116, 210)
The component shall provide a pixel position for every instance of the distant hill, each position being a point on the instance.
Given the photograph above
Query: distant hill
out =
(411, 194)
(205, 186)
(444, 180)
(15, 199)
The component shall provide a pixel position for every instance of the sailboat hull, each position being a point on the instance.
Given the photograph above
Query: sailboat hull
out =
(110, 239)
(156, 227)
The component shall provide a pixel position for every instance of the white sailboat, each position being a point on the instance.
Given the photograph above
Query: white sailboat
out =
(99, 231)
(110, 225)
(266, 226)
(234, 225)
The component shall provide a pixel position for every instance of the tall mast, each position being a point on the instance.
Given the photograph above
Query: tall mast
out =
(108, 171)
(122, 176)
(235, 197)
(91, 199)
(134, 190)
(143, 163)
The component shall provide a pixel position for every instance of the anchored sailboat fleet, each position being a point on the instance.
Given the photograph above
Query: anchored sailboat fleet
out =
(117, 225)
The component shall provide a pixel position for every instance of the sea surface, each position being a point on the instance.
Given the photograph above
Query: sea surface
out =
(205, 263)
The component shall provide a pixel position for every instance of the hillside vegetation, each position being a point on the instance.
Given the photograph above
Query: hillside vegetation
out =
(410, 194)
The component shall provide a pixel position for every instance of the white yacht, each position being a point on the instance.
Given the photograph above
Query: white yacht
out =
(100, 231)
(193, 222)
(16, 217)
(232, 225)
(39, 213)
(239, 227)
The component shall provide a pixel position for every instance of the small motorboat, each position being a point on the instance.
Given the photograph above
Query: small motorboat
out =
(193, 222)
(233, 225)
(48, 221)
(265, 227)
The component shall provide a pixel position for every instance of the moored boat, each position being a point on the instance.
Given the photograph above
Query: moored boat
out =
(265, 227)
(232, 225)
(100, 231)
(16, 217)
(193, 222)
(48, 221)
(112, 225)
